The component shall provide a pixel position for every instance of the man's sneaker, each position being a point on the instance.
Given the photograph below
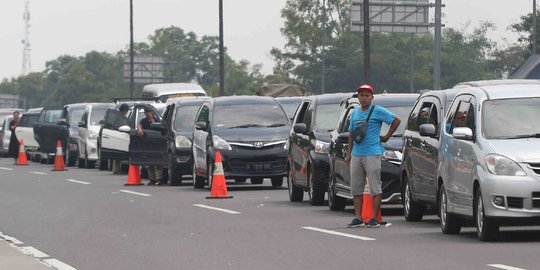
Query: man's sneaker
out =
(373, 223)
(355, 223)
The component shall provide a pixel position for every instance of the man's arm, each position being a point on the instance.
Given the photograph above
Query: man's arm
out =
(392, 129)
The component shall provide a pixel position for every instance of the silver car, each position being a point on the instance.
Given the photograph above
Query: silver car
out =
(489, 157)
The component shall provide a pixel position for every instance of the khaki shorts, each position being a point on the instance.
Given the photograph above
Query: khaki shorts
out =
(362, 166)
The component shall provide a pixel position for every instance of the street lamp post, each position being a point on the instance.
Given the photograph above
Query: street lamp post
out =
(131, 72)
(534, 29)
(367, 56)
(221, 54)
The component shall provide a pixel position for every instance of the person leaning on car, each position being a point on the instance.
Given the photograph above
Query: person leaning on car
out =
(155, 173)
(365, 158)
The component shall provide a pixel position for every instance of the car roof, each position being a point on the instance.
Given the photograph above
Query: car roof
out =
(239, 100)
(390, 99)
(101, 105)
(197, 100)
(329, 98)
(35, 110)
(288, 100)
(501, 89)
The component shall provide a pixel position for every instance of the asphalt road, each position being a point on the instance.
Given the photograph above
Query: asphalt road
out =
(88, 219)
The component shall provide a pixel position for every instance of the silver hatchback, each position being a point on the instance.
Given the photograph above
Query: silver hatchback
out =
(489, 169)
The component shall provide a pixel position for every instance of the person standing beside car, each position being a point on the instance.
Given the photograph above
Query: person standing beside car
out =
(365, 157)
(155, 173)
(13, 150)
(117, 164)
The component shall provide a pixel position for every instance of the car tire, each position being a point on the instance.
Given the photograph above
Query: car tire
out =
(173, 171)
(315, 190)
(256, 180)
(296, 194)
(198, 181)
(335, 202)
(277, 181)
(486, 228)
(450, 224)
(103, 164)
(411, 210)
(90, 164)
(70, 159)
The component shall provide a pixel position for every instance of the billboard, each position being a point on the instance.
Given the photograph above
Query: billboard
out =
(146, 69)
(400, 16)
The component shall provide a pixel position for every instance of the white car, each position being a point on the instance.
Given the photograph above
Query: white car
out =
(5, 133)
(89, 126)
(25, 131)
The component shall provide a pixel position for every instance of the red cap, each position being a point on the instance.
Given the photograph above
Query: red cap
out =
(365, 87)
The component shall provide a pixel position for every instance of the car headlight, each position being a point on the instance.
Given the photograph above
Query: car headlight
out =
(391, 155)
(500, 165)
(182, 141)
(220, 143)
(322, 147)
(286, 145)
(93, 136)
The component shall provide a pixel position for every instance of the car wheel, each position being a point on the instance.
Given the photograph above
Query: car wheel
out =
(296, 194)
(90, 164)
(257, 180)
(486, 228)
(411, 210)
(316, 191)
(335, 202)
(173, 170)
(240, 179)
(103, 164)
(70, 159)
(450, 224)
(198, 181)
(277, 181)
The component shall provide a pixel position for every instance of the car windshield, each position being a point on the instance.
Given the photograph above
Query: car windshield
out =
(97, 115)
(75, 116)
(289, 107)
(326, 116)
(185, 117)
(403, 113)
(511, 118)
(249, 115)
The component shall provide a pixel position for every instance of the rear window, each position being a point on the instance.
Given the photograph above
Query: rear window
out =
(50, 116)
(28, 120)
(249, 115)
(185, 117)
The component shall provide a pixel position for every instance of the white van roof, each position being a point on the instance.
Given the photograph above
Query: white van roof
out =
(172, 88)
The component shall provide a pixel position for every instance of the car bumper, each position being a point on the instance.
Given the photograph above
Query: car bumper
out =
(91, 149)
(391, 186)
(184, 159)
(320, 167)
(521, 196)
(254, 162)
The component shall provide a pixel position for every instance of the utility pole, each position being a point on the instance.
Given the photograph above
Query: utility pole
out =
(437, 53)
(131, 66)
(323, 38)
(367, 52)
(534, 28)
(26, 60)
(221, 54)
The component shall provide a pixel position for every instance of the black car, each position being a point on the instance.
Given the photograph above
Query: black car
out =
(290, 104)
(251, 134)
(309, 138)
(179, 117)
(339, 188)
(420, 153)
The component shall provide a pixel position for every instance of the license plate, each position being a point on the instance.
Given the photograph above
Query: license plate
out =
(261, 166)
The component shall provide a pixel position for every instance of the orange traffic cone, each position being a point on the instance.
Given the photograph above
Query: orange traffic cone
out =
(367, 206)
(134, 176)
(59, 158)
(218, 190)
(22, 159)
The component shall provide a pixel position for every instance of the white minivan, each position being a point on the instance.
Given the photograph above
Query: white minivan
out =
(165, 91)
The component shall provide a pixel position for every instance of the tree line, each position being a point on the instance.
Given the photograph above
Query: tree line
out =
(313, 33)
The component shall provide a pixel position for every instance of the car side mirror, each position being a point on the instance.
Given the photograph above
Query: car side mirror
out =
(300, 128)
(463, 133)
(159, 126)
(61, 121)
(201, 126)
(428, 130)
(126, 129)
(343, 137)
(102, 122)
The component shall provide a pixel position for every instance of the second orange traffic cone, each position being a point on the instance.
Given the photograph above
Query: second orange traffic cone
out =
(367, 206)
(22, 159)
(218, 190)
(134, 176)
(59, 158)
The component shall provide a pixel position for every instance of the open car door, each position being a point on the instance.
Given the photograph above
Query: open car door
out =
(151, 148)
(114, 143)
(51, 127)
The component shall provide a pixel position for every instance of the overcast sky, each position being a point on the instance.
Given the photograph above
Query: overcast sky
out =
(252, 27)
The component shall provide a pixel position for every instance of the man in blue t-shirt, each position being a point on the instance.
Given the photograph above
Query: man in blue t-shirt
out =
(365, 157)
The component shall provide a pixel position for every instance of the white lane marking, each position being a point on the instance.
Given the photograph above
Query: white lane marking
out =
(6, 169)
(58, 264)
(11, 239)
(506, 267)
(217, 209)
(339, 233)
(78, 182)
(32, 251)
(40, 173)
(135, 193)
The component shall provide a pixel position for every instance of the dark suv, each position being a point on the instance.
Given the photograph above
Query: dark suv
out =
(309, 138)
(179, 117)
(339, 188)
(420, 152)
(251, 134)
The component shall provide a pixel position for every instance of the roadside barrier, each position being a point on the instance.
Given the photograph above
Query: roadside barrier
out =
(59, 158)
(22, 159)
(218, 190)
(134, 176)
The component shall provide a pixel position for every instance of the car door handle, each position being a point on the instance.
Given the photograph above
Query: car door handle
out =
(423, 144)
(105, 137)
